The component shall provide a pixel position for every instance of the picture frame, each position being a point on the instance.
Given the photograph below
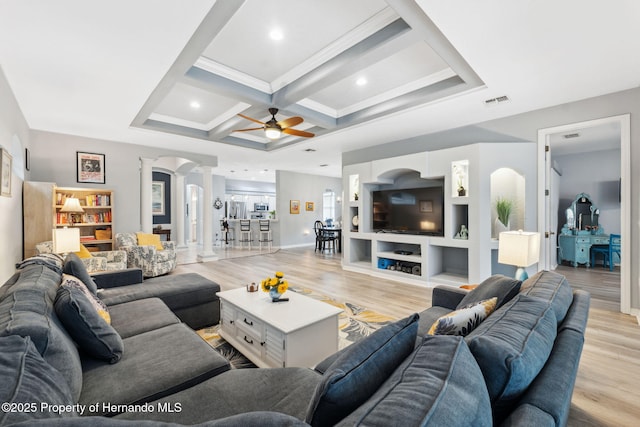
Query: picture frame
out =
(5, 173)
(294, 207)
(309, 206)
(426, 205)
(157, 198)
(90, 167)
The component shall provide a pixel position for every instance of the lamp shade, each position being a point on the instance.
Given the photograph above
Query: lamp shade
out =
(519, 248)
(72, 205)
(66, 240)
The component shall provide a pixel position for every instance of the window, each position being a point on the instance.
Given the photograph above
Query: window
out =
(328, 205)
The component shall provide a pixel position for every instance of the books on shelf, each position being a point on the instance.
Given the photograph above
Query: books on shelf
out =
(88, 200)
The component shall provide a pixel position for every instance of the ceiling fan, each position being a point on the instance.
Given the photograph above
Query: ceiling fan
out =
(273, 128)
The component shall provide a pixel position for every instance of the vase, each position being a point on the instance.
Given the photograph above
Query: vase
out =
(274, 294)
(500, 227)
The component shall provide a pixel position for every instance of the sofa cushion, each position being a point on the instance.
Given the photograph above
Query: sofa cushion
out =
(75, 267)
(552, 287)
(27, 310)
(502, 287)
(51, 261)
(154, 364)
(238, 391)
(136, 317)
(84, 318)
(440, 384)
(83, 252)
(29, 381)
(512, 346)
(360, 370)
(463, 321)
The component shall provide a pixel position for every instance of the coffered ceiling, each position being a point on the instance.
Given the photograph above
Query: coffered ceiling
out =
(130, 71)
(334, 63)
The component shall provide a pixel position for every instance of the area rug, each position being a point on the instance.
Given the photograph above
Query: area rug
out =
(355, 322)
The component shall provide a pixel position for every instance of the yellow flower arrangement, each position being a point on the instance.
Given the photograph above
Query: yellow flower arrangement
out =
(276, 283)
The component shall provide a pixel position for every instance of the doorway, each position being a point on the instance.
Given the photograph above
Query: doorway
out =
(547, 212)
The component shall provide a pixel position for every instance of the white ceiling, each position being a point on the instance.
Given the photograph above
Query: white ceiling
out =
(111, 70)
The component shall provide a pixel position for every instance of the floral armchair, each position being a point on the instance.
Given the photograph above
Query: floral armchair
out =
(99, 261)
(150, 260)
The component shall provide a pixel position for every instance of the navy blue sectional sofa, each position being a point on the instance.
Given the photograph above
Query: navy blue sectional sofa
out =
(518, 367)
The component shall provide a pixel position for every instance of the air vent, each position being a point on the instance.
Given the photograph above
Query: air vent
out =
(309, 150)
(571, 135)
(497, 100)
(324, 165)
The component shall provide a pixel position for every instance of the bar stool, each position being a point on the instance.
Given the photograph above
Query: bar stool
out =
(265, 233)
(226, 232)
(245, 232)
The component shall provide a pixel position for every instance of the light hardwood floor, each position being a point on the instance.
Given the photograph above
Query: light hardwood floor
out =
(607, 390)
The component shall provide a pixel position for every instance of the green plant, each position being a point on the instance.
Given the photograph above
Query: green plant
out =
(504, 208)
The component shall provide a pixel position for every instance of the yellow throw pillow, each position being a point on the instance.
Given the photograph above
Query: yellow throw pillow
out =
(83, 252)
(145, 239)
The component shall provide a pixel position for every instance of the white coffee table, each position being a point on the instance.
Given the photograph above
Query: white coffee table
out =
(299, 332)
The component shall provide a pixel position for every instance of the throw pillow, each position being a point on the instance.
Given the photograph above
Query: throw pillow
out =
(463, 321)
(502, 287)
(145, 239)
(75, 267)
(80, 313)
(360, 370)
(27, 380)
(83, 252)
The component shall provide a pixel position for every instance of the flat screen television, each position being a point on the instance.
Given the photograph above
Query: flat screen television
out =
(410, 210)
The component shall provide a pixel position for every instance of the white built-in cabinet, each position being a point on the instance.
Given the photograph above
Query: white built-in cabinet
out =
(484, 171)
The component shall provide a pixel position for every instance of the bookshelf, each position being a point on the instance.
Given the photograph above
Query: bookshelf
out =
(95, 223)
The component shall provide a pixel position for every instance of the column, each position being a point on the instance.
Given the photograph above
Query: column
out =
(207, 253)
(146, 180)
(180, 216)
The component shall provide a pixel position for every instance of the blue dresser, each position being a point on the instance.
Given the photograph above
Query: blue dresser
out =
(576, 248)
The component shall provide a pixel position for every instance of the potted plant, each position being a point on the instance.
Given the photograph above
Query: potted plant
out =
(504, 207)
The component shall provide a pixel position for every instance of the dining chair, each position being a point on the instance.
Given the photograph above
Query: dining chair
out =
(324, 239)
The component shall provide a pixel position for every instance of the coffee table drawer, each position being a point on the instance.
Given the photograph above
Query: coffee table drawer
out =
(249, 323)
(250, 341)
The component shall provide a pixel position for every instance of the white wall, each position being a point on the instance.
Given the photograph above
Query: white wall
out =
(14, 138)
(297, 229)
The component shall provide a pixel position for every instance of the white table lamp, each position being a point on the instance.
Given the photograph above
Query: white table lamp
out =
(519, 248)
(71, 206)
(66, 240)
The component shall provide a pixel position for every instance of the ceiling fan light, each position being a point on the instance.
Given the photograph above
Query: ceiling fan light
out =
(272, 133)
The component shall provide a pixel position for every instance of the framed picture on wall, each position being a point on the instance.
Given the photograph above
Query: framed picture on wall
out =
(157, 198)
(5, 173)
(294, 206)
(90, 167)
(309, 206)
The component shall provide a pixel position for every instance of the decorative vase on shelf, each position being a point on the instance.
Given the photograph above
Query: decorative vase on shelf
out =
(500, 227)
(461, 191)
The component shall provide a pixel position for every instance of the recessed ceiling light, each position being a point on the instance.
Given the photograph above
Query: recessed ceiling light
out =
(276, 34)
(309, 150)
(195, 105)
(361, 81)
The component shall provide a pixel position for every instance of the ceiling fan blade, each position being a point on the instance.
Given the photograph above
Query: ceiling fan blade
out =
(297, 132)
(251, 119)
(246, 130)
(291, 121)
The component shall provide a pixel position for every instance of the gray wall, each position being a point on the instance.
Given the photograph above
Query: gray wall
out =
(14, 138)
(524, 127)
(297, 230)
(53, 159)
(597, 174)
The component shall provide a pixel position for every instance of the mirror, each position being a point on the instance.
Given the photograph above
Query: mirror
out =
(582, 214)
